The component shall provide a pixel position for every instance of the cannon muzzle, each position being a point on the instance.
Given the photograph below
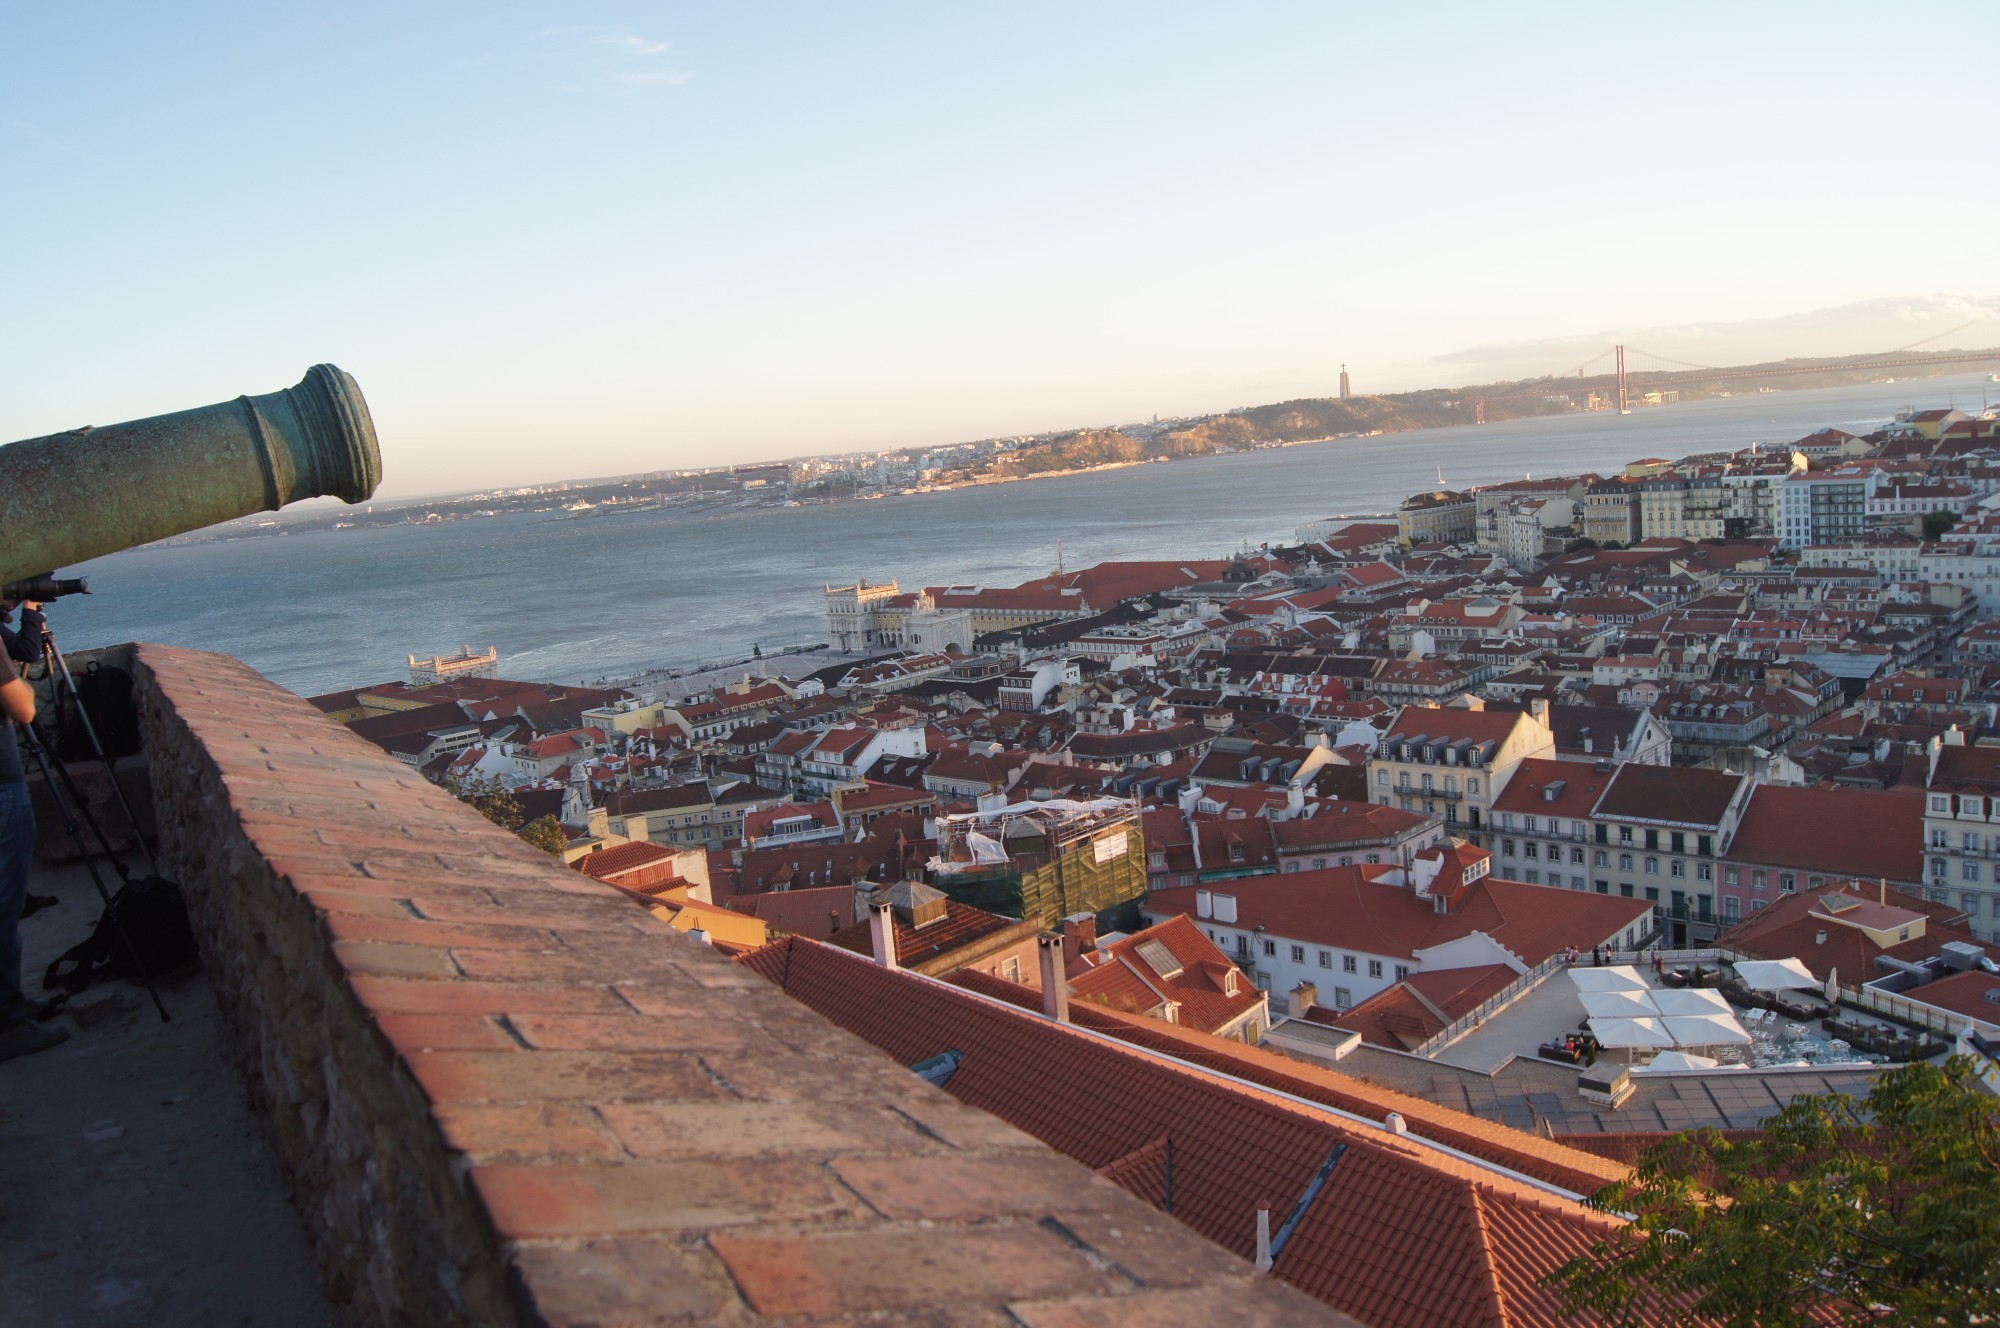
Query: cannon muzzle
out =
(82, 494)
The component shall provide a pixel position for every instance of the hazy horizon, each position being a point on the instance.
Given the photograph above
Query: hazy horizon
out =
(557, 241)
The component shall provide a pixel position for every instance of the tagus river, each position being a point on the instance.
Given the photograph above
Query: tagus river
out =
(577, 599)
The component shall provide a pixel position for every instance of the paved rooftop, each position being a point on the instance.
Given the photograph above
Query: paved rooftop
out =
(1529, 1094)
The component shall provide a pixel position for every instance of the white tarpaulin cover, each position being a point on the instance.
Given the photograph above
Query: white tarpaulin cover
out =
(1775, 975)
(1704, 1030)
(1691, 1000)
(1631, 1033)
(1618, 1005)
(1676, 1060)
(1619, 977)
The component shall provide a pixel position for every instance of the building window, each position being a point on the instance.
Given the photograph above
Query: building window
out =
(1342, 998)
(1652, 866)
(1531, 849)
(1603, 858)
(1506, 848)
(1532, 876)
(1704, 871)
(1381, 776)
(1298, 954)
(1759, 878)
(1677, 868)
(1402, 971)
(1326, 959)
(1011, 970)
(1787, 882)
(1941, 804)
(1271, 949)
(1374, 968)
(1968, 903)
(1347, 963)
(1971, 872)
(1472, 786)
(1731, 909)
(1937, 866)
(1318, 863)
(1624, 834)
(1624, 862)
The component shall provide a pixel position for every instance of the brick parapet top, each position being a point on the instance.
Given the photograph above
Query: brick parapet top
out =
(647, 1130)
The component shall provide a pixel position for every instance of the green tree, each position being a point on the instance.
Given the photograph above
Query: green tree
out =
(1937, 523)
(490, 798)
(1884, 1210)
(497, 803)
(546, 833)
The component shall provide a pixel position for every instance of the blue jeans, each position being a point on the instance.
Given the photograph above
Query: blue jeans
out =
(17, 849)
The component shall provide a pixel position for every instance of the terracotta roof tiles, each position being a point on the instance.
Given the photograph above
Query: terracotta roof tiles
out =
(1400, 1234)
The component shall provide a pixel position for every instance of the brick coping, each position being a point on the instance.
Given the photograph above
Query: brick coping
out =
(503, 1094)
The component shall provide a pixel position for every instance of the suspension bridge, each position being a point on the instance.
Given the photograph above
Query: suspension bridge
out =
(1617, 386)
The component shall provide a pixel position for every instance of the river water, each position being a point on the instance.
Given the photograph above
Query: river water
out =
(616, 595)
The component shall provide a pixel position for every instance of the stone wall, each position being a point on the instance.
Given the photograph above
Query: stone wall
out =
(502, 1094)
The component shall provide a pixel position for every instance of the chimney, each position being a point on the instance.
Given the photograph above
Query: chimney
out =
(1539, 708)
(1080, 933)
(1055, 983)
(1300, 999)
(882, 934)
(1264, 1236)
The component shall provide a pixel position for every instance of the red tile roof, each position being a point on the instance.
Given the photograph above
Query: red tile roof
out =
(1839, 831)
(1353, 908)
(921, 947)
(1577, 788)
(1400, 1234)
(1211, 992)
(1793, 927)
(1671, 795)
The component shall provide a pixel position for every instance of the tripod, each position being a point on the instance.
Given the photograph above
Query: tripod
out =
(64, 792)
(54, 666)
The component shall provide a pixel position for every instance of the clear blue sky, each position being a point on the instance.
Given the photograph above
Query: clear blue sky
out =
(563, 240)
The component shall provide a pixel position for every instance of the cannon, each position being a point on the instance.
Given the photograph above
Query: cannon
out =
(78, 495)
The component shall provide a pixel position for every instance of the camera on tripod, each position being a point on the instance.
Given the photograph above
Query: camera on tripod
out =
(41, 589)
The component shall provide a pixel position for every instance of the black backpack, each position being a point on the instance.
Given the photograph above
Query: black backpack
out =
(152, 914)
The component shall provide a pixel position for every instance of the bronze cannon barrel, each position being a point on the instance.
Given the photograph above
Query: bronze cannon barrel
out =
(73, 496)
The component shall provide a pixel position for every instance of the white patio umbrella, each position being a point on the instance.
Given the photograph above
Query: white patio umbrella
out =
(1704, 1030)
(1690, 1000)
(1618, 977)
(1631, 1033)
(1833, 984)
(1677, 1060)
(1775, 975)
(1618, 1004)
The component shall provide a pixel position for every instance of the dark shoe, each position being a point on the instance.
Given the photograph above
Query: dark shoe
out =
(25, 1039)
(36, 903)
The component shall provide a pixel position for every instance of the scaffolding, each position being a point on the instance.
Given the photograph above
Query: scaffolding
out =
(1051, 859)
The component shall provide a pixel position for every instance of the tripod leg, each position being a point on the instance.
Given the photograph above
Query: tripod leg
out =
(81, 803)
(58, 667)
(69, 821)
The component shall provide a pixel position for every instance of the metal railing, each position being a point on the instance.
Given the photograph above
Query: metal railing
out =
(1492, 1005)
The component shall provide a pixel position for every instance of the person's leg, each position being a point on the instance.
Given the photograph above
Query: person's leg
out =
(17, 849)
(20, 1035)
